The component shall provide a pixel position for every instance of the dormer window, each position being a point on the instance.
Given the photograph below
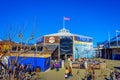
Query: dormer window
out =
(64, 31)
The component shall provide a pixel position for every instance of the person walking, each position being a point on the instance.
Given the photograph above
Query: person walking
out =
(116, 74)
(93, 73)
(89, 75)
(57, 66)
(86, 64)
(111, 74)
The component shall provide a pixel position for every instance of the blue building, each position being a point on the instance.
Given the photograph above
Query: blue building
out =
(110, 49)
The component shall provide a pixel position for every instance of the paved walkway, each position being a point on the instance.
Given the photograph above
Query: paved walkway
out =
(99, 74)
(53, 75)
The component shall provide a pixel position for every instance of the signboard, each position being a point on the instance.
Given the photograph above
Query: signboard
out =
(83, 39)
(51, 39)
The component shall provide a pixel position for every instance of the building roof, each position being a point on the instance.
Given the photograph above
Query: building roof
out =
(6, 42)
(115, 38)
(65, 32)
(62, 32)
(112, 42)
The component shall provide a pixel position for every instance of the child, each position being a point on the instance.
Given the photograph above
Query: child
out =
(89, 74)
(57, 66)
(66, 76)
(70, 71)
(66, 73)
(116, 74)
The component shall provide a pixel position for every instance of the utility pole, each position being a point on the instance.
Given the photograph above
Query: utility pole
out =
(117, 38)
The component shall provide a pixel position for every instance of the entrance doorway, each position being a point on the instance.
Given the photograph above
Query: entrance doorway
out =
(65, 56)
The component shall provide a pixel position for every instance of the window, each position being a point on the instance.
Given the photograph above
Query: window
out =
(14, 48)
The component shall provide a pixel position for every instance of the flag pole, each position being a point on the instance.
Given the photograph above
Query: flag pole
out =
(63, 22)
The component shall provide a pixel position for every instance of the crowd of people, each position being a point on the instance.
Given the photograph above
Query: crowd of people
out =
(17, 71)
(114, 74)
(90, 71)
(20, 70)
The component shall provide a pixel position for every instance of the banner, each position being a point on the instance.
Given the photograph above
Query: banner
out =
(83, 51)
(66, 43)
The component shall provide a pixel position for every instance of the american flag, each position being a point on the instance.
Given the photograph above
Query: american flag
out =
(66, 18)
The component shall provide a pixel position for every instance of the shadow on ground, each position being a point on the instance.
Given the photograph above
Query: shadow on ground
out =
(117, 68)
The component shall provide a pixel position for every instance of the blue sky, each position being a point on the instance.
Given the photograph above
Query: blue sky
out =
(94, 18)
